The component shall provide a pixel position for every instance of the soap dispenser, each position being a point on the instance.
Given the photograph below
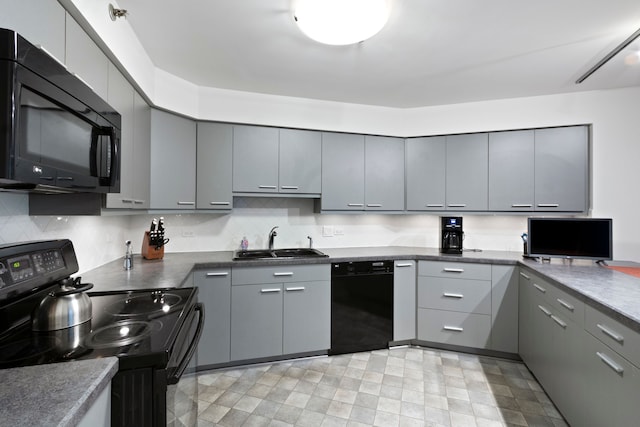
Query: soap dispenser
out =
(128, 256)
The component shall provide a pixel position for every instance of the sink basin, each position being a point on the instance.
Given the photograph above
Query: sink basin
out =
(289, 253)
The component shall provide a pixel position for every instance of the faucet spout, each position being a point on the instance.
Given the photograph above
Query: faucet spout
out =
(272, 235)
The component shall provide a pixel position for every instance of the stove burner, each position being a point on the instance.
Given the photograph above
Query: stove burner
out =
(119, 334)
(28, 349)
(144, 305)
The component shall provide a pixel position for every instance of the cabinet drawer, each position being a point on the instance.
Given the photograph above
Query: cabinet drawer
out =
(448, 327)
(280, 274)
(566, 305)
(614, 334)
(460, 270)
(211, 276)
(467, 296)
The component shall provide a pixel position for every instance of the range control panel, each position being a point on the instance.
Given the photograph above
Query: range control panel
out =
(26, 267)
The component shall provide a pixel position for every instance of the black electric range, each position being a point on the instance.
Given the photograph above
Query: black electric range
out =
(153, 332)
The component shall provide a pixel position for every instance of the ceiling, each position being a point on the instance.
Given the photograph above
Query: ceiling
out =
(431, 52)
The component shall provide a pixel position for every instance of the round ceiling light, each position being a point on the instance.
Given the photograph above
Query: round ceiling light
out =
(341, 22)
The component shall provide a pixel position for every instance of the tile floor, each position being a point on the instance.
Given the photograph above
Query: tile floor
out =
(396, 387)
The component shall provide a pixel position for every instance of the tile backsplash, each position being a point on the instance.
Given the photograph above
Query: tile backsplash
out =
(98, 240)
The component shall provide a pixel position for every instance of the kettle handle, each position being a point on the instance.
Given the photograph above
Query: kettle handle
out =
(76, 290)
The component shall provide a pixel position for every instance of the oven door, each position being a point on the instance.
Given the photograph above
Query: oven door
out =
(182, 381)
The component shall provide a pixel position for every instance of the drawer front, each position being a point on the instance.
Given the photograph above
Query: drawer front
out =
(281, 274)
(466, 296)
(211, 276)
(566, 305)
(460, 270)
(614, 334)
(448, 327)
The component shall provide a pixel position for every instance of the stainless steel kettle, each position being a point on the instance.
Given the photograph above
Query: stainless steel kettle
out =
(70, 306)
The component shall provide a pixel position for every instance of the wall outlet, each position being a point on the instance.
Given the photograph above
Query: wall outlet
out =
(327, 231)
(188, 233)
(338, 231)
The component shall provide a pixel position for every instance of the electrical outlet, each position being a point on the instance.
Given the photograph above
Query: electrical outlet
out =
(187, 233)
(327, 231)
(338, 231)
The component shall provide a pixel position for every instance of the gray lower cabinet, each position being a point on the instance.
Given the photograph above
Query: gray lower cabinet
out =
(467, 172)
(426, 173)
(504, 308)
(342, 172)
(404, 299)
(99, 414)
(214, 166)
(214, 290)
(280, 310)
(173, 161)
(255, 159)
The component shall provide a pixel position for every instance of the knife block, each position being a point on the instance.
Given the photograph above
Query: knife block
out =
(149, 251)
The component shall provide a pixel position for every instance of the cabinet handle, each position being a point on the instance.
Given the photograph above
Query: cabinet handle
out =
(404, 265)
(269, 291)
(434, 205)
(610, 363)
(544, 310)
(457, 205)
(46, 178)
(374, 205)
(525, 276)
(268, 187)
(548, 205)
(218, 274)
(138, 202)
(448, 295)
(565, 304)
(219, 203)
(453, 270)
(610, 333)
(521, 205)
(186, 203)
(558, 321)
(355, 205)
(452, 328)
(540, 288)
(300, 288)
(289, 187)
(283, 274)
(65, 178)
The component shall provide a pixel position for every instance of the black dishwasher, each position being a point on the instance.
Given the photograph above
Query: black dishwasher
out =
(361, 306)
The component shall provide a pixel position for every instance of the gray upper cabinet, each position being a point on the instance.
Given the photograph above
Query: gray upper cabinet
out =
(467, 172)
(300, 160)
(141, 168)
(84, 58)
(342, 171)
(214, 166)
(384, 173)
(173, 161)
(255, 159)
(40, 22)
(561, 169)
(426, 173)
(511, 171)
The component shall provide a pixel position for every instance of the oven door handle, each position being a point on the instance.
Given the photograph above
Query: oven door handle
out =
(175, 376)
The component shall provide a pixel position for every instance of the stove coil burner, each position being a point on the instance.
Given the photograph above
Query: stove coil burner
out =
(119, 334)
(158, 302)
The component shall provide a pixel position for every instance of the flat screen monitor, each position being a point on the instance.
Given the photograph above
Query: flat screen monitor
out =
(583, 238)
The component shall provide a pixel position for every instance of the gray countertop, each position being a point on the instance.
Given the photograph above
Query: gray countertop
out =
(59, 394)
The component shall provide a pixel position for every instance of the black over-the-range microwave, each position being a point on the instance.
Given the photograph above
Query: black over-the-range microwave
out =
(56, 134)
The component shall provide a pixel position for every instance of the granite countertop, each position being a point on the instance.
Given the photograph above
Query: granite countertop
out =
(58, 394)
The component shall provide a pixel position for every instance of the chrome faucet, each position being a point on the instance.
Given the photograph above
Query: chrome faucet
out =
(272, 235)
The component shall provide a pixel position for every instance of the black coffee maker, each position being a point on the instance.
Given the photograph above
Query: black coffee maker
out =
(451, 234)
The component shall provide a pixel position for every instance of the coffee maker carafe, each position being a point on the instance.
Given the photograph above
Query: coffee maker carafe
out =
(451, 234)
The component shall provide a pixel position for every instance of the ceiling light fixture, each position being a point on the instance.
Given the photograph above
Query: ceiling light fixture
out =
(116, 13)
(341, 22)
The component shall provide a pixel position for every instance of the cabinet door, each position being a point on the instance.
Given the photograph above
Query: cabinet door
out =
(213, 170)
(84, 58)
(467, 172)
(404, 300)
(255, 159)
(307, 317)
(561, 169)
(141, 152)
(40, 22)
(256, 321)
(525, 327)
(541, 360)
(120, 97)
(342, 172)
(511, 174)
(504, 308)
(214, 290)
(426, 172)
(173, 161)
(384, 173)
(300, 161)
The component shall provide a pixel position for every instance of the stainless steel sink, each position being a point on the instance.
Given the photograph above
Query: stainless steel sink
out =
(288, 253)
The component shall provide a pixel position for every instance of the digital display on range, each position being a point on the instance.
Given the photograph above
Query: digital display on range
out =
(20, 268)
